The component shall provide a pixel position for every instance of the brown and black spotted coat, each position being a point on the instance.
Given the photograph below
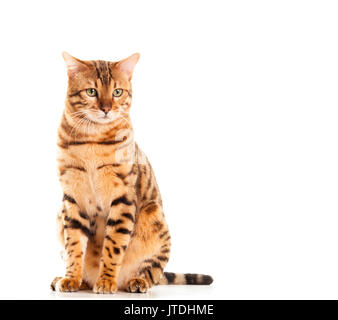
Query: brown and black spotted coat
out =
(111, 224)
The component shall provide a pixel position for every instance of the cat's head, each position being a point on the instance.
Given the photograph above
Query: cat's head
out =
(99, 91)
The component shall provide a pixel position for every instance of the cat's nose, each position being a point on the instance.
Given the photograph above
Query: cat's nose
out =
(105, 108)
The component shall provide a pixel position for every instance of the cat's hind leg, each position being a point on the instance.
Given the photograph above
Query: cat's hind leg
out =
(149, 274)
(151, 246)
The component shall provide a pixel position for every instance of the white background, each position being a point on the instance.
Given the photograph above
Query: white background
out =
(235, 104)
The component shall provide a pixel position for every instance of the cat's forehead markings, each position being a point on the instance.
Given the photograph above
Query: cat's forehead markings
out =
(103, 71)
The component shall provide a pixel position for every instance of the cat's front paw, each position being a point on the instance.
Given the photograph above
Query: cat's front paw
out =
(66, 285)
(54, 282)
(105, 286)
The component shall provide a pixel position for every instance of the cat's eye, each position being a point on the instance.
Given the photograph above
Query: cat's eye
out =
(117, 92)
(91, 92)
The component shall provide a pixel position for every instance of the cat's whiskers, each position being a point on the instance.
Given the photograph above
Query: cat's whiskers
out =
(88, 125)
(77, 125)
(82, 124)
(85, 124)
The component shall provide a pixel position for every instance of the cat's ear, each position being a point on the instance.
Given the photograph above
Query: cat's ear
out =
(74, 65)
(127, 65)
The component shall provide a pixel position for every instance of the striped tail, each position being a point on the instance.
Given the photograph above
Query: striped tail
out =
(185, 278)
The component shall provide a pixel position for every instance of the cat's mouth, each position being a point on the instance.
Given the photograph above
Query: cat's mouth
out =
(98, 118)
(102, 119)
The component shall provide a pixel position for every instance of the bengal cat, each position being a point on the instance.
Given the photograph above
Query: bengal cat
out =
(111, 224)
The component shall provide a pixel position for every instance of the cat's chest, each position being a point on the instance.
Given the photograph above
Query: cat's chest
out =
(94, 177)
(101, 186)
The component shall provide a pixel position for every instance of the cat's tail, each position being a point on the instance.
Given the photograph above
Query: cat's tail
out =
(185, 278)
